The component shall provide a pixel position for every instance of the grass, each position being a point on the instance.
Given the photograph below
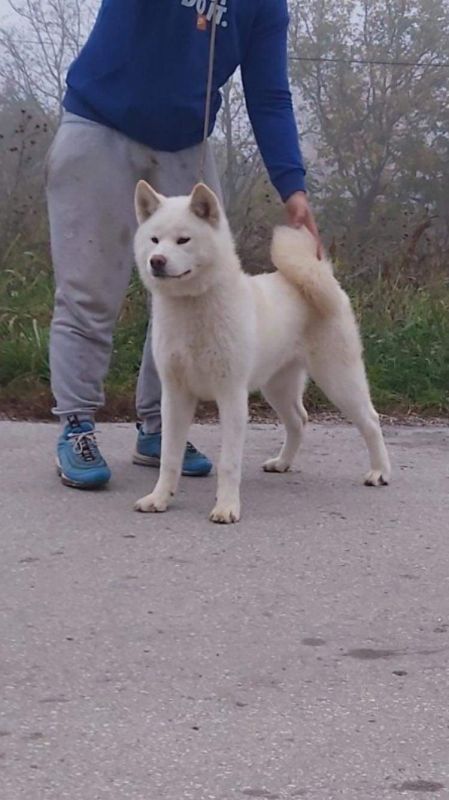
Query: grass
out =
(405, 331)
(406, 339)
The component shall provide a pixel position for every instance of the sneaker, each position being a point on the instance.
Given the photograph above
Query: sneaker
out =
(79, 461)
(148, 454)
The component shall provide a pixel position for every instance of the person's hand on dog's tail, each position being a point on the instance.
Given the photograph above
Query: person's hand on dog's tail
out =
(299, 214)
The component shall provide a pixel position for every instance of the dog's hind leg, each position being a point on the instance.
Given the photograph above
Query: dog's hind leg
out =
(178, 407)
(233, 410)
(340, 373)
(284, 393)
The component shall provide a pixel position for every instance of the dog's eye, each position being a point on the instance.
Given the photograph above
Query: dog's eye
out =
(155, 239)
(183, 240)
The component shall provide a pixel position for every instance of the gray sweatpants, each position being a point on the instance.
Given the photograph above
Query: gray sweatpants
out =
(92, 172)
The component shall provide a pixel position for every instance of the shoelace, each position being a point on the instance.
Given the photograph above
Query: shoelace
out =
(190, 448)
(85, 445)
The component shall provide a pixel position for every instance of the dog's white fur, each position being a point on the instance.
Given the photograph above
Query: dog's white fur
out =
(218, 334)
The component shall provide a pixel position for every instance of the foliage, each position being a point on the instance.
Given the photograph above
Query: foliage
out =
(377, 108)
(405, 332)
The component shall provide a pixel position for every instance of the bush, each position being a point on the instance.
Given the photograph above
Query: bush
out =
(405, 332)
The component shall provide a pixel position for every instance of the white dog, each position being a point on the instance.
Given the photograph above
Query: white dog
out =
(219, 334)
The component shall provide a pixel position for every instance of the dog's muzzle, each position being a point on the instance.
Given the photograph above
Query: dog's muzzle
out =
(158, 265)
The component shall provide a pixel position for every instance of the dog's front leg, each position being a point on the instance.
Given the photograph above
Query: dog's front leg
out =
(233, 409)
(178, 407)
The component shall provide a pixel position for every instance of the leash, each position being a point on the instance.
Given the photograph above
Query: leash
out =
(201, 24)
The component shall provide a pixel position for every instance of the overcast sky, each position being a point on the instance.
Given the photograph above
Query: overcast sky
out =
(4, 9)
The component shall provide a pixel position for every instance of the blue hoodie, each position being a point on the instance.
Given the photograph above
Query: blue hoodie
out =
(143, 71)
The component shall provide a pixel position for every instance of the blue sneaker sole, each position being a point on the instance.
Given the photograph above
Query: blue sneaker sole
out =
(154, 461)
(77, 484)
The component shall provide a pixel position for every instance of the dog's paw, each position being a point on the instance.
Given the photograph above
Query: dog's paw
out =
(376, 477)
(225, 515)
(275, 465)
(151, 503)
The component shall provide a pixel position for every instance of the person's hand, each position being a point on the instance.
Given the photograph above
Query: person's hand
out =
(299, 213)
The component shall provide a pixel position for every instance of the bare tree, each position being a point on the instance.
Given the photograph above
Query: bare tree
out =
(238, 156)
(369, 77)
(242, 161)
(35, 54)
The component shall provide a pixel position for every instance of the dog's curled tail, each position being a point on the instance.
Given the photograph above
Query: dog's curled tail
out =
(293, 252)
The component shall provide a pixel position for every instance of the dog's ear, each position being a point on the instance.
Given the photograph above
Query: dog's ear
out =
(204, 204)
(146, 201)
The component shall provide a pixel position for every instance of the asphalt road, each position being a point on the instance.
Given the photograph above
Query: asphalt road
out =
(303, 653)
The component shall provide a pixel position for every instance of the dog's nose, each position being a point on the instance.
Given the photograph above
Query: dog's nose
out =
(158, 264)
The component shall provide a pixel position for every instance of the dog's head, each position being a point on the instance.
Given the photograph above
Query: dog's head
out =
(180, 242)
